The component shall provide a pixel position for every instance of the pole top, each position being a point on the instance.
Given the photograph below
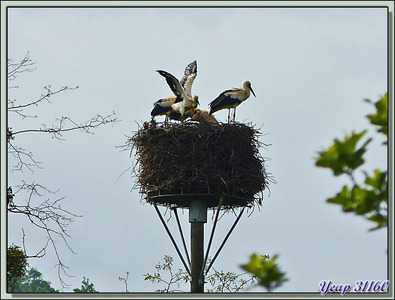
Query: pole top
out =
(198, 211)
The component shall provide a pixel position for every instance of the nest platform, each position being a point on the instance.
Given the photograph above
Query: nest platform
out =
(179, 162)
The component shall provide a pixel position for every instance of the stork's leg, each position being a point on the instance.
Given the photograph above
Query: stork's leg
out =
(228, 115)
(234, 115)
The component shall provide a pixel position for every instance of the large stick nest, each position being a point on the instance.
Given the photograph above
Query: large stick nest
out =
(179, 161)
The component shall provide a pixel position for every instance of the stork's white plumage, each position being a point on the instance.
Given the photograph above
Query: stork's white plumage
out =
(231, 99)
(203, 116)
(183, 90)
(186, 105)
(187, 80)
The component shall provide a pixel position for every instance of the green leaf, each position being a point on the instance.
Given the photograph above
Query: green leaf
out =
(266, 271)
(364, 200)
(380, 117)
(343, 156)
(381, 220)
(379, 183)
(369, 200)
(344, 199)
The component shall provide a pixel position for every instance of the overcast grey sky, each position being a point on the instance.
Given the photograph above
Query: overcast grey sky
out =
(310, 68)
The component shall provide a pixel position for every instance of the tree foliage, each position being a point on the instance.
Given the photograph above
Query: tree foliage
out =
(380, 116)
(86, 287)
(174, 277)
(33, 282)
(228, 282)
(368, 198)
(266, 271)
(219, 281)
(16, 266)
(344, 157)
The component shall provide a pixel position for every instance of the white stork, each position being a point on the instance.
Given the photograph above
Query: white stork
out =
(184, 102)
(203, 116)
(162, 107)
(231, 99)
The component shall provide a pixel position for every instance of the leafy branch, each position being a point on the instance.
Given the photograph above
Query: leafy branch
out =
(266, 271)
(219, 281)
(86, 287)
(174, 277)
(369, 198)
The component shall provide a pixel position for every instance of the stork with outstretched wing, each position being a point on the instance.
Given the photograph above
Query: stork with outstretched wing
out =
(182, 105)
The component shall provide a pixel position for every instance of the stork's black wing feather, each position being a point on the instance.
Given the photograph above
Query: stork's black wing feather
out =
(174, 115)
(224, 100)
(173, 82)
(160, 110)
(214, 104)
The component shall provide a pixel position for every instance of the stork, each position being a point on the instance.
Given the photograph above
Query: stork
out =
(184, 101)
(203, 116)
(231, 99)
(162, 107)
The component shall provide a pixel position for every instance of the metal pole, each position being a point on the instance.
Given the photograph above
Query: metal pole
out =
(197, 239)
(197, 218)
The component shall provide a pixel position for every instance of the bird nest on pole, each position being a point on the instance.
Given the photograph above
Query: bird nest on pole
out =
(177, 162)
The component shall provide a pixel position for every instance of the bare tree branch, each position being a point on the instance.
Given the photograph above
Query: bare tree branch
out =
(39, 254)
(63, 124)
(125, 281)
(61, 127)
(19, 67)
(23, 158)
(47, 214)
(12, 107)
